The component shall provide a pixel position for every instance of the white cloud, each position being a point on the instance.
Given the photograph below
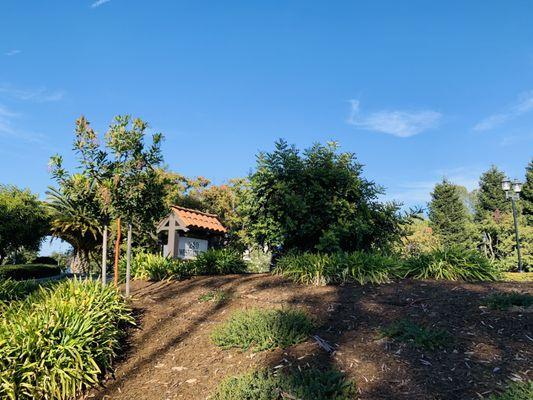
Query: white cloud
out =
(98, 3)
(41, 95)
(13, 52)
(522, 106)
(8, 128)
(394, 122)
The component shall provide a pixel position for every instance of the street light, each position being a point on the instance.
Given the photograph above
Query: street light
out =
(514, 195)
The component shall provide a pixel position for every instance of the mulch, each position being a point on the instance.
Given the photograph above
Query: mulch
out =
(169, 355)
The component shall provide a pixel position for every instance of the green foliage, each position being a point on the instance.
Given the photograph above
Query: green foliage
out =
(453, 263)
(317, 201)
(516, 391)
(23, 221)
(323, 269)
(260, 329)
(153, 267)
(527, 194)
(218, 262)
(490, 196)
(28, 271)
(214, 296)
(308, 384)
(16, 290)
(448, 214)
(503, 301)
(60, 341)
(421, 336)
(419, 238)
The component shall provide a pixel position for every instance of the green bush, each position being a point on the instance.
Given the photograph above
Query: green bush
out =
(322, 269)
(218, 262)
(516, 391)
(420, 336)
(28, 271)
(503, 301)
(59, 341)
(154, 267)
(263, 329)
(16, 290)
(455, 263)
(309, 384)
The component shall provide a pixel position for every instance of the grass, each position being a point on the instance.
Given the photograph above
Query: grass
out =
(310, 384)
(60, 340)
(215, 296)
(504, 301)
(11, 290)
(420, 336)
(516, 391)
(28, 271)
(260, 329)
(518, 277)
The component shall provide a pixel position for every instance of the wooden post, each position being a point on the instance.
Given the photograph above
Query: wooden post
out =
(117, 253)
(104, 256)
(128, 262)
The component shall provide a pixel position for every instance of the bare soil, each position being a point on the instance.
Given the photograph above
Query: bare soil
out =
(170, 354)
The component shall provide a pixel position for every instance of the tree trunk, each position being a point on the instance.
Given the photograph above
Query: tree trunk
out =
(104, 256)
(117, 253)
(128, 262)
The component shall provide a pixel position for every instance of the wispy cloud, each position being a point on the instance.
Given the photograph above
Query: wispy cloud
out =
(394, 122)
(99, 3)
(13, 52)
(8, 128)
(40, 95)
(522, 106)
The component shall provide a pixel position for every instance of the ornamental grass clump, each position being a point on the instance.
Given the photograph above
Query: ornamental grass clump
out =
(453, 264)
(260, 329)
(218, 262)
(323, 269)
(154, 267)
(504, 301)
(11, 290)
(308, 384)
(60, 340)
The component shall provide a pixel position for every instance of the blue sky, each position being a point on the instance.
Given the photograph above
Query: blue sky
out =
(418, 90)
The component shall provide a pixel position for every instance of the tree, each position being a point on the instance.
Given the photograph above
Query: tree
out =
(527, 194)
(490, 196)
(317, 201)
(24, 221)
(448, 214)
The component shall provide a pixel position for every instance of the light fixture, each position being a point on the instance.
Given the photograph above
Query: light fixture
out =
(514, 195)
(517, 186)
(506, 185)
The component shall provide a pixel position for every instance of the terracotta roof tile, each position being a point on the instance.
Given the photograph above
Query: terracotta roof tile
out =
(199, 219)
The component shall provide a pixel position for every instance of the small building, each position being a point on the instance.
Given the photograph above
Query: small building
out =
(188, 232)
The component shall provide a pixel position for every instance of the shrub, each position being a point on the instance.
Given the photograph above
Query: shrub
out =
(59, 341)
(503, 301)
(322, 269)
(309, 384)
(15, 290)
(154, 267)
(45, 260)
(454, 263)
(28, 271)
(420, 336)
(218, 262)
(516, 391)
(263, 329)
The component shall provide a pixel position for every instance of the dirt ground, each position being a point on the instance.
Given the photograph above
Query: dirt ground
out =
(170, 355)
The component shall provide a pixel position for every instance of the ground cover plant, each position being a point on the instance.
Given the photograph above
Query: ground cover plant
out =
(11, 290)
(322, 269)
(59, 341)
(503, 301)
(309, 384)
(516, 391)
(263, 329)
(214, 296)
(28, 271)
(421, 336)
(452, 263)
(154, 267)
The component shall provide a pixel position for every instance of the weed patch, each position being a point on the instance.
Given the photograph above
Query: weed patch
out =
(260, 329)
(420, 336)
(308, 384)
(504, 301)
(215, 296)
(516, 391)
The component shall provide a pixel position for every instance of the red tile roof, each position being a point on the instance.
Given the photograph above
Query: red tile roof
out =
(198, 219)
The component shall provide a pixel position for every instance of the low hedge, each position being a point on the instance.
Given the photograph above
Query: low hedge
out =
(28, 271)
(60, 341)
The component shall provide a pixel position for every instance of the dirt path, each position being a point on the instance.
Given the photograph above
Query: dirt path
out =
(171, 355)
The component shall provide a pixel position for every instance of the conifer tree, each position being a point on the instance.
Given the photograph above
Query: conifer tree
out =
(448, 215)
(527, 194)
(490, 196)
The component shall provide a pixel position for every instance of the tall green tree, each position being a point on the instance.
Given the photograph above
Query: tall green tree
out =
(527, 194)
(448, 214)
(24, 221)
(317, 201)
(490, 196)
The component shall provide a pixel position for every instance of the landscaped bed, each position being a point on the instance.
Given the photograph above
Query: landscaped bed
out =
(467, 349)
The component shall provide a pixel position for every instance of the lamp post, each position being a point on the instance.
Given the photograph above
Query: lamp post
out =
(512, 191)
